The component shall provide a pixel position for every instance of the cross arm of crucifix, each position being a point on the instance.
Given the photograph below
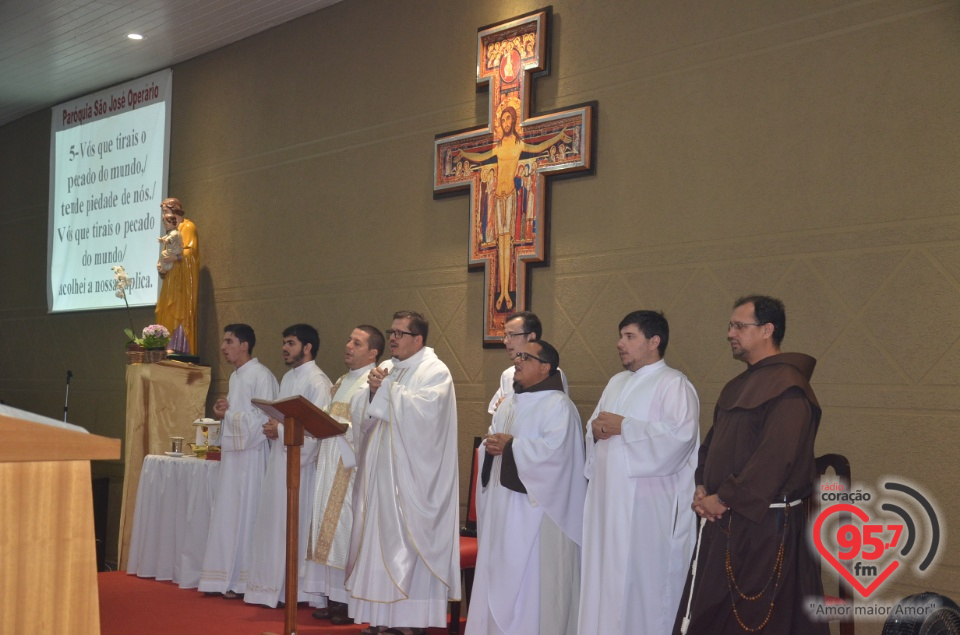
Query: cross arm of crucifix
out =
(476, 157)
(531, 148)
(543, 145)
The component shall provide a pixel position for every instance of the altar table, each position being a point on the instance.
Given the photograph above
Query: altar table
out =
(163, 399)
(174, 499)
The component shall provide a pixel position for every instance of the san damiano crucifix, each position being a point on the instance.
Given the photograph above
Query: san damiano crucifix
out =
(505, 164)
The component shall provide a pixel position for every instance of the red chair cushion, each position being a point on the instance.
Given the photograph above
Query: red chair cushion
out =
(468, 552)
(829, 600)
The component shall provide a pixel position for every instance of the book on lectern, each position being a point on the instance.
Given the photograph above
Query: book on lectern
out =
(315, 421)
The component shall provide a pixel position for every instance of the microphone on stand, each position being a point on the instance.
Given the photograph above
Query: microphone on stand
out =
(66, 400)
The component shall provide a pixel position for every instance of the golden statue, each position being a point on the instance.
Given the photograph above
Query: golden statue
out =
(177, 304)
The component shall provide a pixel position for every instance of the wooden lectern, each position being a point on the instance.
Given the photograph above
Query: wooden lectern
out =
(298, 414)
(48, 559)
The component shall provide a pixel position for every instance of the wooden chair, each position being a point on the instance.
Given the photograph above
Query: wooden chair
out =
(841, 468)
(468, 544)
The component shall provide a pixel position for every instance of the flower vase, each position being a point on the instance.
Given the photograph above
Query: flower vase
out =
(137, 354)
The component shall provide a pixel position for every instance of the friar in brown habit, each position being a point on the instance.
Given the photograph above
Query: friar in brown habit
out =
(753, 566)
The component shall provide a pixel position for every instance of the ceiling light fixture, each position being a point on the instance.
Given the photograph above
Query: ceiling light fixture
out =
(134, 36)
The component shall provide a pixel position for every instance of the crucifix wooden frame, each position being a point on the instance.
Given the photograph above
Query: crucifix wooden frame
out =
(505, 164)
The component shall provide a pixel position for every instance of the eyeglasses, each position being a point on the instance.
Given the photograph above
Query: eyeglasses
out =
(507, 336)
(526, 357)
(397, 334)
(739, 326)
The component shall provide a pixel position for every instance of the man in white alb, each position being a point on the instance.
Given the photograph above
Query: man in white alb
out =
(518, 329)
(332, 518)
(404, 562)
(243, 461)
(530, 507)
(266, 582)
(638, 536)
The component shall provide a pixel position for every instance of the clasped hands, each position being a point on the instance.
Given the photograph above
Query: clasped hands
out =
(271, 429)
(495, 443)
(708, 507)
(606, 425)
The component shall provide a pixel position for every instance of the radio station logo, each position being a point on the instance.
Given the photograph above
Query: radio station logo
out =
(868, 536)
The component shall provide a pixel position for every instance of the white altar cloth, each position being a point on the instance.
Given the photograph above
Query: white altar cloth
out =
(172, 514)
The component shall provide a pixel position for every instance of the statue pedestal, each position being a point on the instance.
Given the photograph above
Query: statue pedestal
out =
(183, 357)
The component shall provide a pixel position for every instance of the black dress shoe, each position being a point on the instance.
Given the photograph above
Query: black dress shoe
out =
(339, 619)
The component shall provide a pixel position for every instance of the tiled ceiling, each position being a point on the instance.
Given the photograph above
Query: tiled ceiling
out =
(54, 50)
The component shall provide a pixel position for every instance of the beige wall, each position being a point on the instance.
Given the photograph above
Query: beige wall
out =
(804, 149)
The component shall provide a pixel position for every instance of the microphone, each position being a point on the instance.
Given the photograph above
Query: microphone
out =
(66, 399)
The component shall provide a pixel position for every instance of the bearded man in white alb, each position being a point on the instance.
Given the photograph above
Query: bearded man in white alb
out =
(266, 582)
(404, 562)
(332, 519)
(530, 506)
(226, 559)
(638, 535)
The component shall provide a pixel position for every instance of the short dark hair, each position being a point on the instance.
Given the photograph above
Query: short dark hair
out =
(548, 354)
(531, 323)
(650, 323)
(767, 310)
(418, 323)
(307, 335)
(244, 333)
(375, 339)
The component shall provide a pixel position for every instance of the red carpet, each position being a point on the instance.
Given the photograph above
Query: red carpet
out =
(129, 604)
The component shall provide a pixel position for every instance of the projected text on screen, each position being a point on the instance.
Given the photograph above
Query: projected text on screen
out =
(108, 174)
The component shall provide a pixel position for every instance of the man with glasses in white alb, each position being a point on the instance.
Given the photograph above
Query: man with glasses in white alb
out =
(518, 329)
(530, 506)
(404, 560)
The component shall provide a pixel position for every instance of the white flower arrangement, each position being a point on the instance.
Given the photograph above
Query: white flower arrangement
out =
(122, 281)
(153, 336)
